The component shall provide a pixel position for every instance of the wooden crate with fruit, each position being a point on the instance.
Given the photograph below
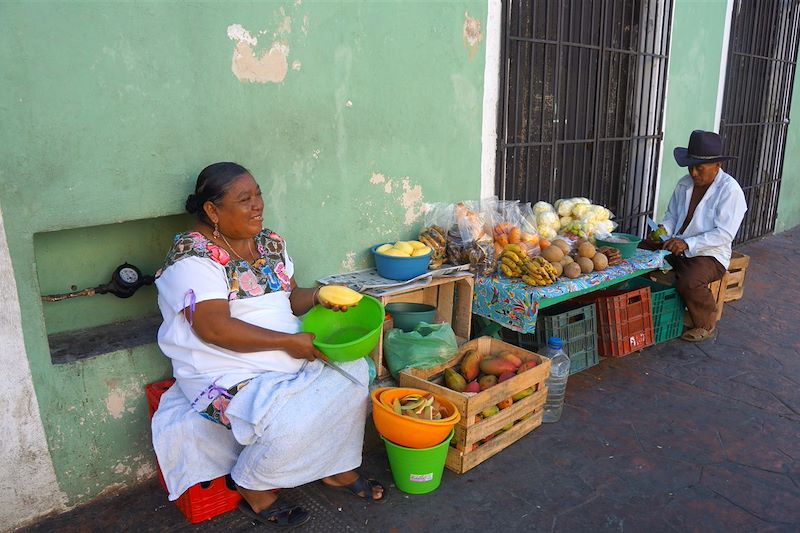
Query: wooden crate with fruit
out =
(498, 388)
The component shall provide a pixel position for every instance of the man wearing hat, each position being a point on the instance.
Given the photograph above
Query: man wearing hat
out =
(702, 218)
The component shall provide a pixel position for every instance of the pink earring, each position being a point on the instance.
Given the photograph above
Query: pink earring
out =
(216, 231)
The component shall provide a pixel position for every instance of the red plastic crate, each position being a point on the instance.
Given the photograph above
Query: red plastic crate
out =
(624, 320)
(154, 391)
(205, 500)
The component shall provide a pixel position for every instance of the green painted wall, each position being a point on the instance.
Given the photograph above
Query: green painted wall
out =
(789, 199)
(694, 62)
(109, 111)
(697, 40)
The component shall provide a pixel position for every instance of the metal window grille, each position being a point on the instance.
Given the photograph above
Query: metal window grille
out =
(762, 57)
(583, 100)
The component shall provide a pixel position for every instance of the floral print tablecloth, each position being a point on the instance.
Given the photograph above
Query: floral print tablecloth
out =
(515, 305)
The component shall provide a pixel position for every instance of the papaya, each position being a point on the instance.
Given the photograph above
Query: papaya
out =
(473, 386)
(505, 376)
(490, 411)
(470, 364)
(522, 394)
(527, 365)
(508, 356)
(496, 366)
(454, 380)
(487, 381)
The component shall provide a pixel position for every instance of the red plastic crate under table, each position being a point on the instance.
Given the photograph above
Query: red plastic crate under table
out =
(205, 500)
(624, 320)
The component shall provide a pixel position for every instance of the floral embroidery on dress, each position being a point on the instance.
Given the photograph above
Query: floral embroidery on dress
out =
(267, 274)
(218, 254)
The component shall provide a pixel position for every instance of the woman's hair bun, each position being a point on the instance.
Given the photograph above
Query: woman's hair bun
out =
(191, 204)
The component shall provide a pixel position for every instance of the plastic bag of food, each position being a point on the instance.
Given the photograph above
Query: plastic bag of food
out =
(437, 218)
(425, 346)
(469, 239)
(529, 237)
(506, 229)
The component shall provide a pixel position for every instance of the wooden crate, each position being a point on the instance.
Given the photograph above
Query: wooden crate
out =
(734, 286)
(465, 450)
(452, 297)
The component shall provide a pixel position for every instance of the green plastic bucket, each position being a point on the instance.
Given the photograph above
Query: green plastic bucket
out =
(417, 470)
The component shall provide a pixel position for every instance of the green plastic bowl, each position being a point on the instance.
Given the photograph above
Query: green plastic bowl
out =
(407, 315)
(346, 336)
(627, 248)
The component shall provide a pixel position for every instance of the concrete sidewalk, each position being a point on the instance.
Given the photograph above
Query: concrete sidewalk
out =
(698, 437)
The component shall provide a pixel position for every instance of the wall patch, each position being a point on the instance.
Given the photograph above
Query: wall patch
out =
(271, 66)
(472, 34)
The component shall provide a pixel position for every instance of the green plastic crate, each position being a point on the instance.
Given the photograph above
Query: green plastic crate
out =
(576, 326)
(668, 308)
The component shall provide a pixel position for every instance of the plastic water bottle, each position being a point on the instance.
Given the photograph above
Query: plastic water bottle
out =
(557, 382)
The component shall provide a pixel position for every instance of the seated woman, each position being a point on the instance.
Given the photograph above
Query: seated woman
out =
(230, 305)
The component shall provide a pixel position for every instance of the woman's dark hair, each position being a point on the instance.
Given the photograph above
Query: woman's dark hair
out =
(212, 182)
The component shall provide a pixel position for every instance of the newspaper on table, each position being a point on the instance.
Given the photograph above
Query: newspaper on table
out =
(370, 282)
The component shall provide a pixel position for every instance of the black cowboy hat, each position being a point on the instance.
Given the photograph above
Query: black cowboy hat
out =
(704, 147)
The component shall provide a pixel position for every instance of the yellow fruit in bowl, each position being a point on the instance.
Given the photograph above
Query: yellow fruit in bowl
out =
(394, 252)
(404, 246)
(339, 295)
(416, 245)
(421, 251)
(383, 247)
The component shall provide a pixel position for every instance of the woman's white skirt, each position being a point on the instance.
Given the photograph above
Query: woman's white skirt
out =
(287, 430)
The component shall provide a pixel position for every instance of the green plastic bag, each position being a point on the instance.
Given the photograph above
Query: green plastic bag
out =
(425, 346)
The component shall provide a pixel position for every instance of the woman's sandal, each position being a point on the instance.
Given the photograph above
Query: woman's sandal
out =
(280, 514)
(362, 488)
(697, 335)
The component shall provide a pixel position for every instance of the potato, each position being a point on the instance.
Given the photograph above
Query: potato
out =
(572, 270)
(553, 254)
(586, 249)
(563, 245)
(600, 261)
(585, 264)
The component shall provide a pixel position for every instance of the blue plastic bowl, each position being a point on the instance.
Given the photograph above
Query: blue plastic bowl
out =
(400, 268)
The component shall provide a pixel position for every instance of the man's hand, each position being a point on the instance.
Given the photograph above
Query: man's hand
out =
(676, 246)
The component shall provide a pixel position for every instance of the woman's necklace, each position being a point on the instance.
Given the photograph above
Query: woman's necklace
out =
(233, 251)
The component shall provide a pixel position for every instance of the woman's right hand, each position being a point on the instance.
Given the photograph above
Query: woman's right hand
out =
(301, 346)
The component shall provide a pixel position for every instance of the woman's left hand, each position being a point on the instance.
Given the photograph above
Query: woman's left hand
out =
(328, 305)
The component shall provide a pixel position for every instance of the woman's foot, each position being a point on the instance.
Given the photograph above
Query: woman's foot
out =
(267, 508)
(367, 489)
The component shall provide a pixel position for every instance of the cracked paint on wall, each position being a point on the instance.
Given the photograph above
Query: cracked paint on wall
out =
(270, 66)
(349, 262)
(472, 34)
(410, 198)
(119, 396)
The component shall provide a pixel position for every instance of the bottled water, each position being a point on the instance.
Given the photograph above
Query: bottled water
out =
(557, 382)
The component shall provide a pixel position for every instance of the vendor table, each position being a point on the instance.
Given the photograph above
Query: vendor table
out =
(515, 305)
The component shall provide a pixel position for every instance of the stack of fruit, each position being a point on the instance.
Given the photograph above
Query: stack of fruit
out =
(572, 263)
(404, 249)
(539, 272)
(479, 372)
(511, 260)
(434, 238)
(506, 233)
